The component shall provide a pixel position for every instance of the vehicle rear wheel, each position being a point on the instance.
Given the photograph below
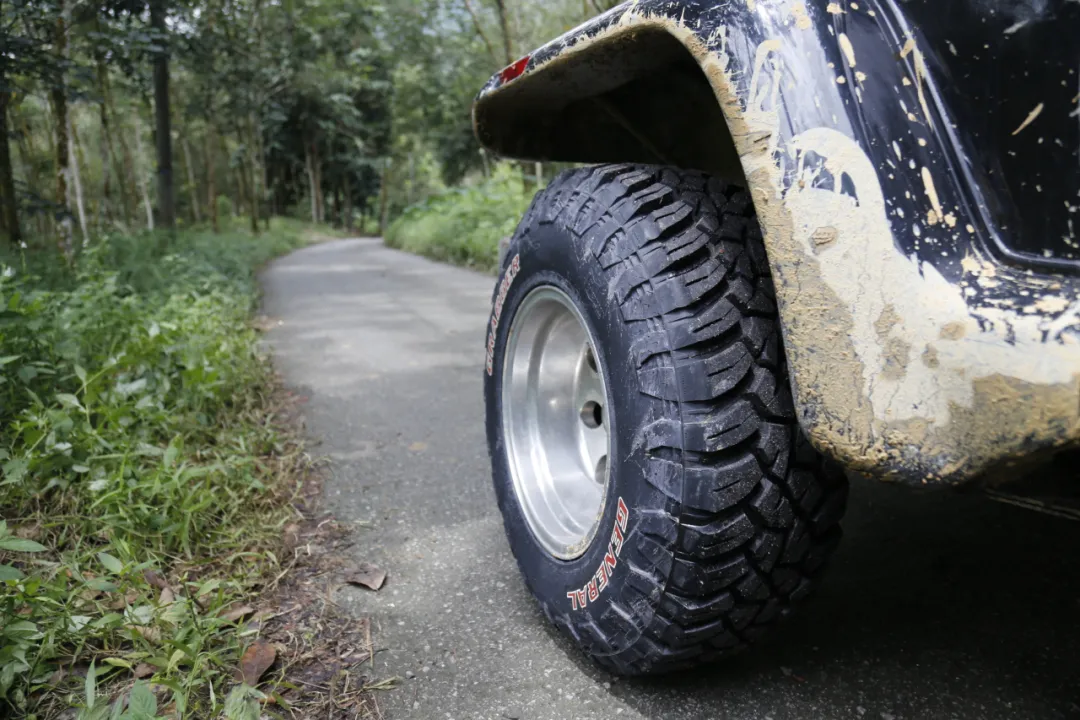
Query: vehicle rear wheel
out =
(654, 484)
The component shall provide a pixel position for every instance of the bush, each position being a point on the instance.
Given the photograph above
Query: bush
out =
(134, 446)
(464, 225)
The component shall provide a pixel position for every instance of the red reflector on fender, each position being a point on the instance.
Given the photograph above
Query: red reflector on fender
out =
(514, 71)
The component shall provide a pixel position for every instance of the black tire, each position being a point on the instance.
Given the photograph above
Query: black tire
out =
(731, 514)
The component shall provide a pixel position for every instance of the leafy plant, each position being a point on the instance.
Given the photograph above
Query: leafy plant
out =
(138, 469)
(464, 225)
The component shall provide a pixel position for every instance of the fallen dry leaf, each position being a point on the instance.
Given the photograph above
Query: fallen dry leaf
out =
(154, 579)
(30, 531)
(256, 660)
(143, 670)
(167, 596)
(120, 603)
(150, 634)
(367, 575)
(235, 612)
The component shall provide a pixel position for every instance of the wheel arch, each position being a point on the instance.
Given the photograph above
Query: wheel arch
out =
(904, 332)
(636, 93)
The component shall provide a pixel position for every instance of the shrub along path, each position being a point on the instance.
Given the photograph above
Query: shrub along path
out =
(154, 492)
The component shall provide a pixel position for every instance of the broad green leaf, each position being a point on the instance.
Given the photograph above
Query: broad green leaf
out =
(101, 584)
(111, 563)
(9, 573)
(170, 455)
(77, 622)
(20, 629)
(15, 470)
(208, 587)
(175, 659)
(142, 704)
(109, 620)
(91, 685)
(68, 400)
(16, 544)
(240, 705)
(9, 359)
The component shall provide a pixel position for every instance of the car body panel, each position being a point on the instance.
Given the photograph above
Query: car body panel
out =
(919, 349)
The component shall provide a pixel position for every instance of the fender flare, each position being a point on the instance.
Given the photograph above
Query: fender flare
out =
(916, 353)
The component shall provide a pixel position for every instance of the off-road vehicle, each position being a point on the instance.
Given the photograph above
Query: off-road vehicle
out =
(812, 238)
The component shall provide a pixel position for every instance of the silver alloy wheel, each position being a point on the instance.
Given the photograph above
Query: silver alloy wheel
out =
(554, 415)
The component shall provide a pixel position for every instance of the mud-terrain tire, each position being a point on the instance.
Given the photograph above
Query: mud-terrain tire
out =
(729, 514)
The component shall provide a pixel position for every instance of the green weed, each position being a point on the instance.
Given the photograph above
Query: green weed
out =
(464, 225)
(140, 472)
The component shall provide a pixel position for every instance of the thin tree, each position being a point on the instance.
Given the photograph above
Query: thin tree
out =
(504, 26)
(75, 189)
(211, 178)
(163, 133)
(9, 215)
(480, 31)
(60, 123)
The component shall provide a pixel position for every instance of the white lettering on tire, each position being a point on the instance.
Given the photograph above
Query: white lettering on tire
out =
(591, 591)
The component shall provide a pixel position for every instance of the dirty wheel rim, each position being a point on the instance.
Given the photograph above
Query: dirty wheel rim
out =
(554, 410)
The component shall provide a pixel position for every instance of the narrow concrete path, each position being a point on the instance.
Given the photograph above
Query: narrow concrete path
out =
(938, 605)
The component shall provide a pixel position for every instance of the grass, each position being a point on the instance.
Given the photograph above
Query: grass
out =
(144, 475)
(464, 225)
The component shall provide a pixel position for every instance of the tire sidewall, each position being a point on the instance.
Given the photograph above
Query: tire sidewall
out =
(549, 255)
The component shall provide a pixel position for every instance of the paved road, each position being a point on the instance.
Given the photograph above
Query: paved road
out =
(937, 606)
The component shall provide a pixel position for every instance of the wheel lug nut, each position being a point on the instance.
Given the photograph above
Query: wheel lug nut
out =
(592, 414)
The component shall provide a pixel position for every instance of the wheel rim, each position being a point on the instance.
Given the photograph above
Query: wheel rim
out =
(554, 404)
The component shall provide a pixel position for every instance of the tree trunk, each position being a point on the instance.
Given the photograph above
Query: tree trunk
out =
(106, 164)
(320, 197)
(140, 177)
(254, 196)
(193, 190)
(9, 209)
(27, 152)
(339, 215)
(480, 31)
(60, 123)
(310, 163)
(236, 193)
(504, 26)
(242, 175)
(253, 176)
(211, 185)
(163, 134)
(128, 169)
(348, 203)
(384, 198)
(260, 167)
(76, 177)
(484, 159)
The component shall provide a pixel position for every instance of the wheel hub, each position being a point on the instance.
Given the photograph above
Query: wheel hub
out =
(555, 421)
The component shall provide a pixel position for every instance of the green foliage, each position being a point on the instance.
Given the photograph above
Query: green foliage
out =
(138, 704)
(134, 439)
(464, 225)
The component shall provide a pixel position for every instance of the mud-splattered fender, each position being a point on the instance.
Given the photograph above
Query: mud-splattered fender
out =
(916, 353)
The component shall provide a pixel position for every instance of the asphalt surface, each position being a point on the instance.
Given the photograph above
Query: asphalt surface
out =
(937, 605)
